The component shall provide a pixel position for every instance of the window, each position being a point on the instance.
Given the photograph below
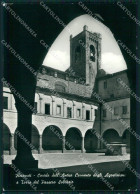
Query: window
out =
(92, 53)
(47, 109)
(124, 110)
(35, 106)
(105, 84)
(58, 110)
(95, 112)
(104, 113)
(69, 112)
(116, 110)
(59, 88)
(55, 74)
(87, 115)
(78, 113)
(5, 102)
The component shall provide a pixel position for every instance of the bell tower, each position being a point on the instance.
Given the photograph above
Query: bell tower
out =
(85, 55)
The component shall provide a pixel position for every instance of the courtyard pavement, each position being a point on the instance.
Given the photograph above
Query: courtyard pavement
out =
(56, 160)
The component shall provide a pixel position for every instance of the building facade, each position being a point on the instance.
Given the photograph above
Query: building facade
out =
(67, 113)
(116, 107)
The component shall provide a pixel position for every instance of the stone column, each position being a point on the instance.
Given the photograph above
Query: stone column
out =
(24, 158)
(40, 150)
(83, 145)
(12, 149)
(63, 148)
(102, 145)
(98, 144)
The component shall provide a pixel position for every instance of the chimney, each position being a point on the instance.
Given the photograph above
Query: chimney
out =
(85, 28)
(71, 36)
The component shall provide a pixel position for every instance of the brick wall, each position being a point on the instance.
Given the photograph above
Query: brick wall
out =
(113, 86)
(46, 81)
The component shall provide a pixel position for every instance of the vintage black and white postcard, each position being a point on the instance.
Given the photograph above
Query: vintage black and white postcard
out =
(70, 96)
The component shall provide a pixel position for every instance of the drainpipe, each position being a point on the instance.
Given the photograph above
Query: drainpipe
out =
(83, 111)
(53, 100)
(91, 115)
(63, 107)
(73, 115)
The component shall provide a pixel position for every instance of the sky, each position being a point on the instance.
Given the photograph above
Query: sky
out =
(58, 56)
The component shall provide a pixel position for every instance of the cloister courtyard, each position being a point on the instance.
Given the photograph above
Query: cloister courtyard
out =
(57, 160)
(85, 170)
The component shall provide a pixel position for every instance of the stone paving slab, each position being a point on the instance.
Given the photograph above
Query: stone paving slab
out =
(54, 160)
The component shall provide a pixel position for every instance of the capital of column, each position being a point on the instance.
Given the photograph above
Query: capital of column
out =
(12, 135)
